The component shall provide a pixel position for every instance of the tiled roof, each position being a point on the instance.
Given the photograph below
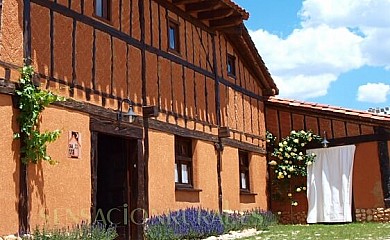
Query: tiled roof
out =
(237, 8)
(330, 109)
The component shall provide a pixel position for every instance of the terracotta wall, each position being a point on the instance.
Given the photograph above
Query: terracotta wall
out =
(11, 34)
(280, 122)
(367, 183)
(9, 170)
(61, 194)
(162, 194)
(232, 199)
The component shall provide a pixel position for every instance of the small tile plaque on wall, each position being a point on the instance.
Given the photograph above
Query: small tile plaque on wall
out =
(74, 144)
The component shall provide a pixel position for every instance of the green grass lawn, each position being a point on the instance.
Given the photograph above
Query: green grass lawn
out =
(320, 231)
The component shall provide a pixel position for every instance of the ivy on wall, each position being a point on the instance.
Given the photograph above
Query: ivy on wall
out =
(32, 101)
(289, 160)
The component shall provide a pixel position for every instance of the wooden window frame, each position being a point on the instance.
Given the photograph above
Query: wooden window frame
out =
(182, 159)
(231, 65)
(106, 14)
(172, 24)
(244, 164)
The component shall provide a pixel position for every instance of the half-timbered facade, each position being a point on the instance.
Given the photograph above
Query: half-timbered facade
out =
(190, 61)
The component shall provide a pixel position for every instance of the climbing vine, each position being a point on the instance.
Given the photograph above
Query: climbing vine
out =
(32, 101)
(289, 159)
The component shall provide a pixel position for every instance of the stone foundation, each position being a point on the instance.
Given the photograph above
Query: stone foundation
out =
(373, 215)
(292, 218)
(362, 215)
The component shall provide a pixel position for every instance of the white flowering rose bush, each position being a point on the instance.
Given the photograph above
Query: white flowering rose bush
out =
(289, 159)
(288, 156)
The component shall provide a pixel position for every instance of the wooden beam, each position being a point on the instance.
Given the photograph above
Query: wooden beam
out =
(202, 6)
(215, 14)
(182, 2)
(226, 22)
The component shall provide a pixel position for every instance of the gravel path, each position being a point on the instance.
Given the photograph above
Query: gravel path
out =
(236, 235)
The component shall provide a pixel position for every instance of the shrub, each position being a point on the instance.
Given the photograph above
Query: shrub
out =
(190, 223)
(94, 231)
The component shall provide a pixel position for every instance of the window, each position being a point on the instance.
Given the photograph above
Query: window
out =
(173, 37)
(244, 170)
(103, 9)
(231, 65)
(183, 162)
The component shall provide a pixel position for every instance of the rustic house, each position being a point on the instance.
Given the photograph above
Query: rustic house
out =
(189, 71)
(368, 132)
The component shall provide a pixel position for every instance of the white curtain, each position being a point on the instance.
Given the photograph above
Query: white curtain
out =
(329, 185)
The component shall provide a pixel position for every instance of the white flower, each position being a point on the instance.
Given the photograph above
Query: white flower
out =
(289, 194)
(304, 188)
(289, 176)
(295, 150)
(285, 161)
(284, 142)
(298, 189)
(279, 213)
(296, 140)
(280, 144)
(293, 132)
(291, 169)
(313, 154)
(273, 163)
(281, 149)
(290, 162)
(289, 149)
(283, 168)
(302, 144)
(309, 163)
(300, 153)
(300, 158)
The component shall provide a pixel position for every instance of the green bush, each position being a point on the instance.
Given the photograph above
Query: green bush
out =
(81, 231)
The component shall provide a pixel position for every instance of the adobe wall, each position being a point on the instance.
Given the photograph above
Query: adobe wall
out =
(232, 199)
(9, 170)
(60, 195)
(162, 194)
(367, 183)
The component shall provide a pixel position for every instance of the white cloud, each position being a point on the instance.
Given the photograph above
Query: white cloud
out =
(306, 62)
(373, 92)
(335, 36)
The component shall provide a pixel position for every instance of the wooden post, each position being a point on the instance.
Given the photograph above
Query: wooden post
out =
(384, 162)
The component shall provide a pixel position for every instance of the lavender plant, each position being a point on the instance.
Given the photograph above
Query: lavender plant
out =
(83, 231)
(197, 223)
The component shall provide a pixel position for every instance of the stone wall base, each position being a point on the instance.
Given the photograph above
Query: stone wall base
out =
(362, 215)
(373, 215)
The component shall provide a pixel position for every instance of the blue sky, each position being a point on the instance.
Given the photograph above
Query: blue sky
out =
(334, 52)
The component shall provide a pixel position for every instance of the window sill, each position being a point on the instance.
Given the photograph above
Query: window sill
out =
(187, 189)
(102, 19)
(247, 193)
(231, 75)
(174, 51)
